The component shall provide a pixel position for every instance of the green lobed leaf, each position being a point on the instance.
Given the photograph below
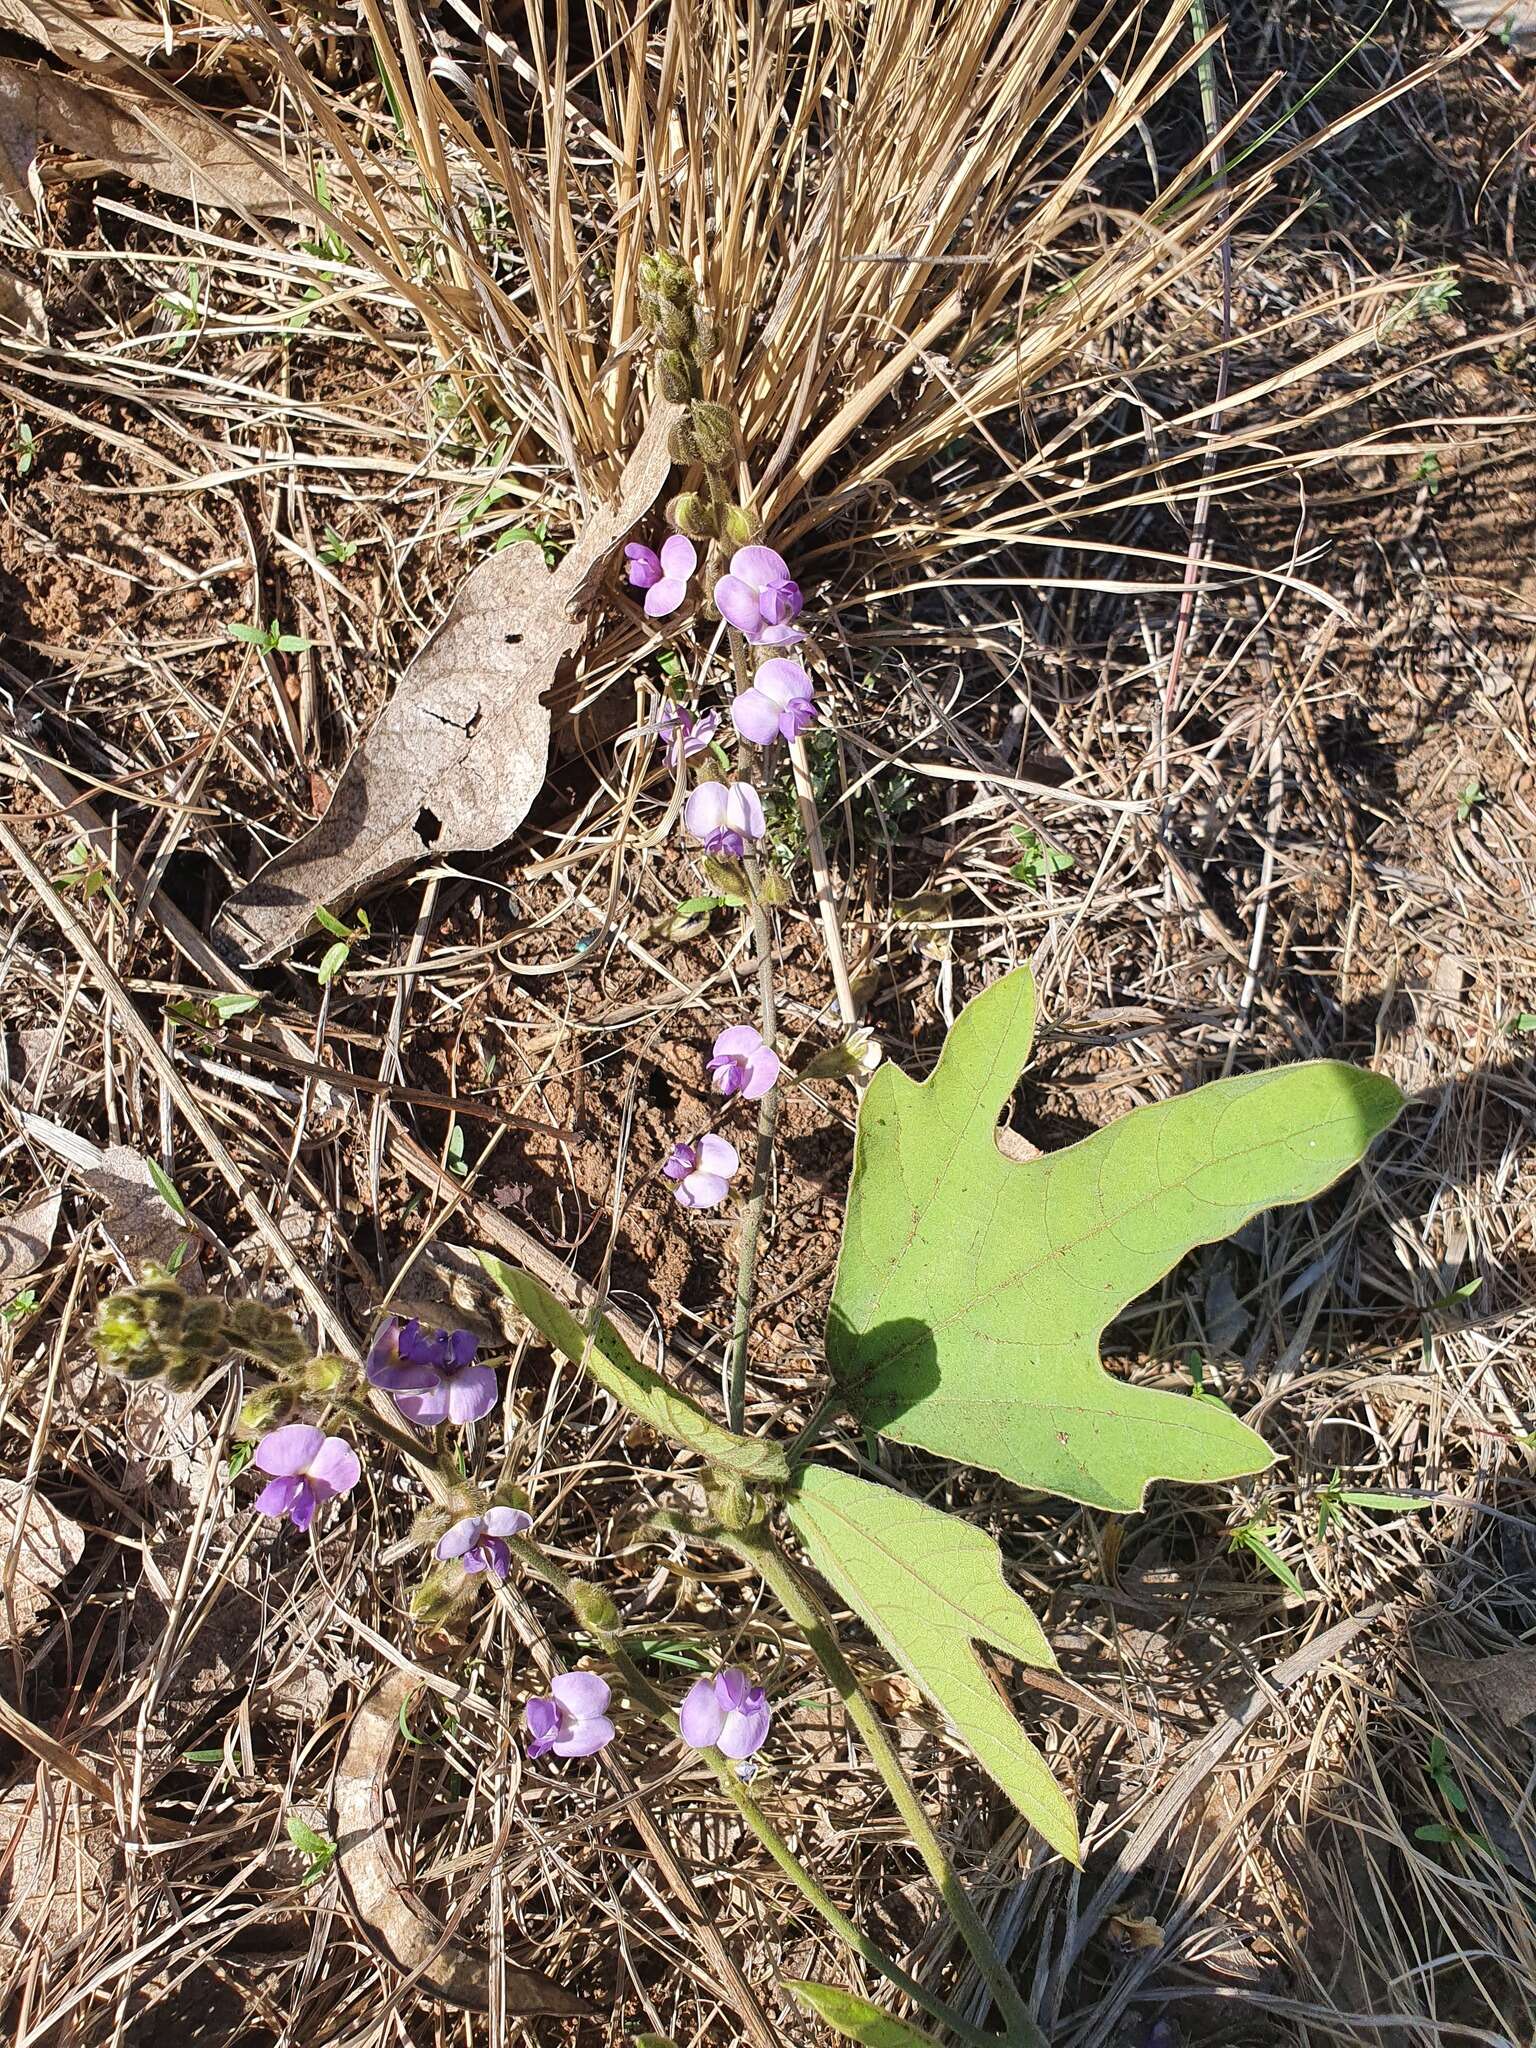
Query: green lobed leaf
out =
(855, 2018)
(932, 1587)
(972, 1291)
(643, 1392)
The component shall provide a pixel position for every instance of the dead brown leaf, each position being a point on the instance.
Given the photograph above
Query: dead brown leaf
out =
(25, 1238)
(187, 155)
(87, 38)
(39, 1546)
(459, 752)
(1515, 19)
(1506, 1682)
(21, 306)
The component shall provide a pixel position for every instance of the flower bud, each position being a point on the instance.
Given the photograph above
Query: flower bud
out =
(714, 429)
(593, 1608)
(693, 514)
(706, 337)
(733, 1503)
(154, 1330)
(445, 1592)
(737, 526)
(326, 1374)
(859, 1053)
(265, 1333)
(683, 443)
(725, 877)
(265, 1409)
(676, 325)
(676, 280)
(650, 275)
(676, 377)
(510, 1496)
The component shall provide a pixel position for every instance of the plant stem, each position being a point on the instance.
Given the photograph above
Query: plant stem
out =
(656, 1704)
(802, 1606)
(362, 1410)
(762, 1163)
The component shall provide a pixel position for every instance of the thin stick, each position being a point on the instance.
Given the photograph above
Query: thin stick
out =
(762, 1164)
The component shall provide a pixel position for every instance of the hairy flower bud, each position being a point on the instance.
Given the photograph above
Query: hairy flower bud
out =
(734, 1504)
(737, 526)
(593, 1608)
(706, 338)
(714, 430)
(265, 1333)
(675, 281)
(693, 514)
(444, 1593)
(265, 1409)
(676, 325)
(650, 275)
(155, 1330)
(683, 443)
(675, 375)
(326, 1374)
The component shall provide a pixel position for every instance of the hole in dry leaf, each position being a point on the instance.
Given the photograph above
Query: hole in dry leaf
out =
(514, 639)
(429, 827)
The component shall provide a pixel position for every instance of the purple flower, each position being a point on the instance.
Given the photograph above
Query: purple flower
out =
(726, 817)
(663, 577)
(431, 1373)
(780, 704)
(480, 1540)
(760, 597)
(573, 1721)
(727, 1712)
(685, 731)
(742, 1063)
(305, 1467)
(702, 1171)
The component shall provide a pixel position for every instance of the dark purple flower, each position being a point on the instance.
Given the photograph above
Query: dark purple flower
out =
(725, 817)
(663, 577)
(780, 704)
(760, 598)
(573, 1721)
(742, 1063)
(480, 1540)
(702, 1171)
(728, 1712)
(306, 1468)
(431, 1373)
(685, 731)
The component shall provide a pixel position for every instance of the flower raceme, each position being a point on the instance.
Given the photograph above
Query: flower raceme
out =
(780, 704)
(702, 1170)
(573, 1719)
(663, 577)
(685, 731)
(304, 1468)
(743, 1063)
(728, 1712)
(760, 598)
(431, 1373)
(479, 1542)
(725, 817)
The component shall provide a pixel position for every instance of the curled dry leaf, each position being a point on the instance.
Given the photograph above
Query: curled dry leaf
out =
(186, 155)
(39, 1547)
(459, 753)
(21, 307)
(1506, 1682)
(25, 1238)
(388, 1911)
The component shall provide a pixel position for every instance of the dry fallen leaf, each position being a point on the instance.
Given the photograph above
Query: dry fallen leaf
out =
(1506, 1682)
(459, 753)
(25, 1238)
(76, 35)
(39, 1546)
(21, 307)
(1514, 19)
(54, 1875)
(137, 1220)
(189, 156)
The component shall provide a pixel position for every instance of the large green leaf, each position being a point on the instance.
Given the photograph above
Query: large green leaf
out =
(972, 1292)
(931, 1587)
(855, 2018)
(616, 1369)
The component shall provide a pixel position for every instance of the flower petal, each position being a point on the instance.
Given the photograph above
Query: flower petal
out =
(643, 565)
(289, 1449)
(665, 597)
(586, 1738)
(742, 1038)
(783, 679)
(471, 1393)
(302, 1513)
(755, 717)
(763, 1068)
(701, 1716)
(718, 1155)
(679, 556)
(508, 1521)
(759, 566)
(705, 808)
(404, 1377)
(463, 1536)
(749, 818)
(777, 636)
(334, 1469)
(743, 1734)
(737, 604)
(279, 1495)
(703, 1191)
(425, 1406)
(680, 1162)
(582, 1693)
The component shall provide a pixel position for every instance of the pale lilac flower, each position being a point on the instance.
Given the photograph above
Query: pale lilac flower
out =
(663, 577)
(573, 1721)
(305, 1468)
(685, 731)
(760, 598)
(431, 1373)
(480, 1540)
(702, 1171)
(725, 817)
(728, 1712)
(780, 704)
(742, 1063)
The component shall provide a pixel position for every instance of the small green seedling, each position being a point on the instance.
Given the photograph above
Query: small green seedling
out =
(184, 308)
(454, 1150)
(329, 247)
(1428, 472)
(1257, 1538)
(207, 1012)
(335, 958)
(1438, 1771)
(318, 1850)
(1333, 1498)
(19, 1305)
(166, 1189)
(335, 551)
(1469, 800)
(83, 871)
(1523, 1024)
(1036, 860)
(270, 639)
(25, 449)
(240, 1456)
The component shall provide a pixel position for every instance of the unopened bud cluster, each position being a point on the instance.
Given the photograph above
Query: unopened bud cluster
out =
(158, 1331)
(706, 435)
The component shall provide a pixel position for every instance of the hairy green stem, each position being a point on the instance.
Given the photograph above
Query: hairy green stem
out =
(654, 1702)
(762, 1163)
(802, 1606)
